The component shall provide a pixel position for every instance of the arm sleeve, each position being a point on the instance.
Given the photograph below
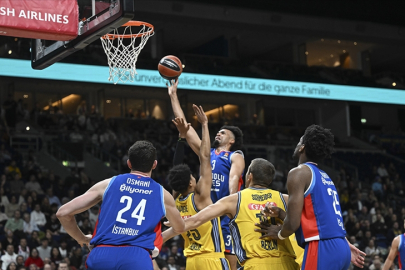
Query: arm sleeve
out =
(179, 153)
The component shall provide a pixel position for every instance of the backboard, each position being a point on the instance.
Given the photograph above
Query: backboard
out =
(96, 18)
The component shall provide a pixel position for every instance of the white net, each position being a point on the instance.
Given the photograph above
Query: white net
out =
(122, 51)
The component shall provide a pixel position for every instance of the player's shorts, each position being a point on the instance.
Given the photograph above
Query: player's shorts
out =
(119, 258)
(271, 263)
(212, 261)
(226, 234)
(331, 254)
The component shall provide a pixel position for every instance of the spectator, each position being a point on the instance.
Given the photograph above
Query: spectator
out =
(46, 208)
(20, 261)
(69, 266)
(379, 227)
(376, 265)
(16, 184)
(23, 249)
(47, 267)
(53, 225)
(393, 231)
(24, 209)
(15, 224)
(12, 266)
(29, 226)
(76, 257)
(51, 197)
(44, 250)
(10, 240)
(3, 218)
(178, 256)
(93, 215)
(377, 188)
(171, 263)
(82, 108)
(9, 257)
(56, 257)
(33, 267)
(85, 227)
(371, 250)
(37, 217)
(33, 185)
(63, 249)
(30, 203)
(3, 198)
(12, 168)
(34, 241)
(382, 171)
(12, 206)
(34, 259)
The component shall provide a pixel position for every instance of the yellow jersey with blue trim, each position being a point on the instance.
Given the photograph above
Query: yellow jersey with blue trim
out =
(247, 242)
(204, 239)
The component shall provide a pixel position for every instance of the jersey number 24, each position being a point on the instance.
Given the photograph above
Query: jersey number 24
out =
(138, 213)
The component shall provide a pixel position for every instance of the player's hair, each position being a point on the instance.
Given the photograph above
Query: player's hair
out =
(263, 172)
(238, 134)
(142, 155)
(318, 142)
(179, 177)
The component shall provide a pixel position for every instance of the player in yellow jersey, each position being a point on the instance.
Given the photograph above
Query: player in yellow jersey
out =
(244, 209)
(204, 245)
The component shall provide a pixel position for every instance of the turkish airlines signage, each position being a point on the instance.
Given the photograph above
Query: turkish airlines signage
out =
(39, 19)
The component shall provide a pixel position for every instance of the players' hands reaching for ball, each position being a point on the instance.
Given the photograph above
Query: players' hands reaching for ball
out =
(172, 86)
(267, 230)
(270, 210)
(182, 126)
(199, 112)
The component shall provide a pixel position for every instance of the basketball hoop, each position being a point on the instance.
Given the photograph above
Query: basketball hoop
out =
(122, 57)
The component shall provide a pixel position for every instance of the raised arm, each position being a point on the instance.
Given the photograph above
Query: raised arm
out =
(225, 206)
(203, 187)
(172, 213)
(393, 253)
(192, 136)
(66, 213)
(237, 167)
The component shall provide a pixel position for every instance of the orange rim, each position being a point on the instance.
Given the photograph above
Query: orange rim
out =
(131, 23)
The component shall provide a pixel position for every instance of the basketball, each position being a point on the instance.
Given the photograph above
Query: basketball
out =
(170, 67)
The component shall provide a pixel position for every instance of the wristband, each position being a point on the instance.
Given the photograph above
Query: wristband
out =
(182, 139)
(279, 235)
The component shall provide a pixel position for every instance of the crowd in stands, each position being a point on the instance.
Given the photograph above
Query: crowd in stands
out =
(31, 237)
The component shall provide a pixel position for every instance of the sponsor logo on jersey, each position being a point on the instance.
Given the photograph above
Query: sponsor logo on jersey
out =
(225, 156)
(130, 189)
(182, 208)
(256, 206)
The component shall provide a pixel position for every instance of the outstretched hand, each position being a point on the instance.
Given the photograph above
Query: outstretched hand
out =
(357, 256)
(199, 112)
(172, 86)
(182, 126)
(270, 210)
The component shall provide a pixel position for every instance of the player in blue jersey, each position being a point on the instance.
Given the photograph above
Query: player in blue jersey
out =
(397, 248)
(227, 163)
(313, 211)
(128, 230)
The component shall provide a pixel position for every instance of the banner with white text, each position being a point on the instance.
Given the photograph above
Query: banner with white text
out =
(39, 19)
(191, 81)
